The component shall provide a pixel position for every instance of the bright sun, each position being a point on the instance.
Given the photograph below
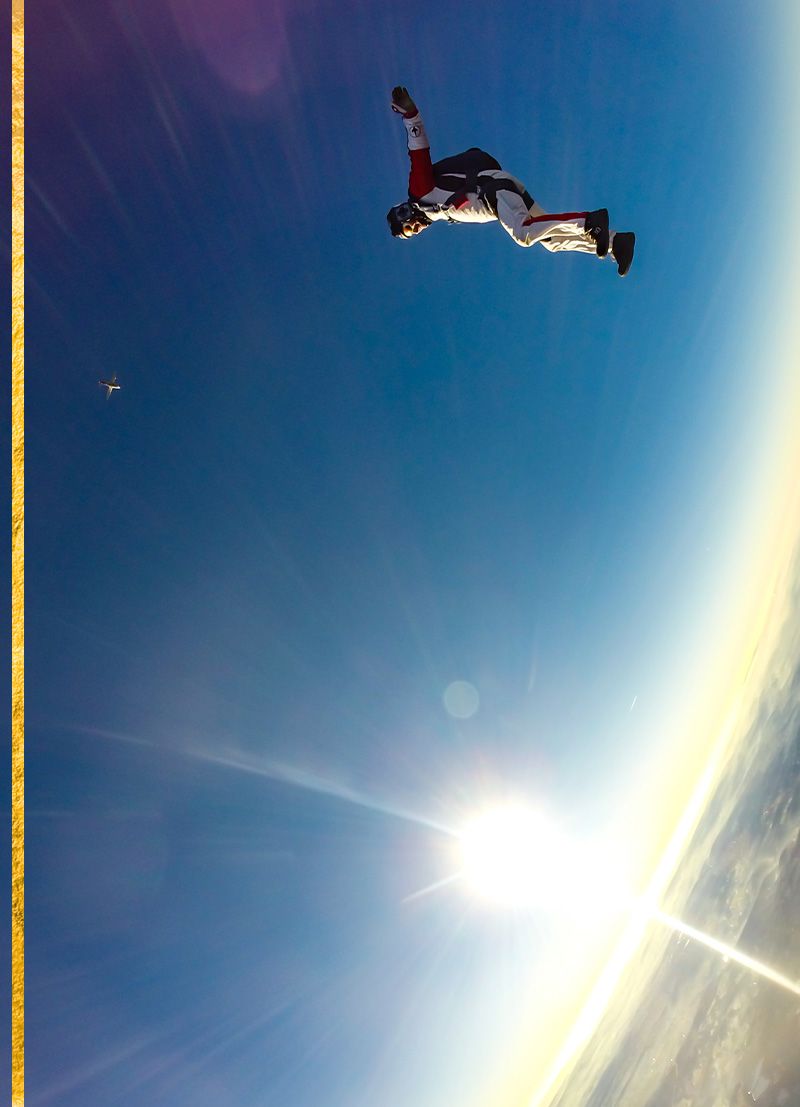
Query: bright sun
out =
(516, 857)
(504, 853)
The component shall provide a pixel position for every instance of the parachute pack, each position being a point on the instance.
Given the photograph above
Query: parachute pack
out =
(469, 172)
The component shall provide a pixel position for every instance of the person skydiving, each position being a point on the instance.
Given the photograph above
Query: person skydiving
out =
(473, 188)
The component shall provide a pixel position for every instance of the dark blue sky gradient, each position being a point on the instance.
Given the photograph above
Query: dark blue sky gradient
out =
(341, 473)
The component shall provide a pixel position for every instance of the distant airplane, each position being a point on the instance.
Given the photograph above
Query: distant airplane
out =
(110, 386)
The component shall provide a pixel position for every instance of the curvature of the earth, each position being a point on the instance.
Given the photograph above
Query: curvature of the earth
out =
(687, 1028)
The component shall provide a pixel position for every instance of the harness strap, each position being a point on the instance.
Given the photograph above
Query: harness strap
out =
(484, 186)
(502, 184)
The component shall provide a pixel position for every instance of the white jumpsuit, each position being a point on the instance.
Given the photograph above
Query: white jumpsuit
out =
(526, 223)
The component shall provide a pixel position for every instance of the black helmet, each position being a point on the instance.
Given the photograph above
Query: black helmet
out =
(404, 213)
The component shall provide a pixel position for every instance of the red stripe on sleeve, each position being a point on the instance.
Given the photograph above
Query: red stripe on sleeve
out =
(420, 180)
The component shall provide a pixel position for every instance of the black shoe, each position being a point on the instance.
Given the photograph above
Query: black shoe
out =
(596, 225)
(622, 250)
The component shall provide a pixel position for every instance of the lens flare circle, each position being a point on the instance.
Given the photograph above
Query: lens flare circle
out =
(461, 699)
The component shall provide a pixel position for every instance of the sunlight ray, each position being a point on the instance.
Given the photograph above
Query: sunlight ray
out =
(282, 773)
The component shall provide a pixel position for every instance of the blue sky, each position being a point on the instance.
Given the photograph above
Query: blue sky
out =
(343, 472)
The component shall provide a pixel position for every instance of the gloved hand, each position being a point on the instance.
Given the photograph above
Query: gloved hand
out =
(402, 102)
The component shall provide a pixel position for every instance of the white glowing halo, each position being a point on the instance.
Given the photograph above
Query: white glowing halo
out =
(514, 856)
(506, 854)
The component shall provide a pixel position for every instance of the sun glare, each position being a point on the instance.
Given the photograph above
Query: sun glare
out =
(514, 856)
(506, 854)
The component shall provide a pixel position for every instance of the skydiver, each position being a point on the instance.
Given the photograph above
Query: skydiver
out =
(473, 188)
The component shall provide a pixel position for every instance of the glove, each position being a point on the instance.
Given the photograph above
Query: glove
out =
(402, 102)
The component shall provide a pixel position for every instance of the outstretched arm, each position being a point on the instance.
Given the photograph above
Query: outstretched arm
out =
(420, 179)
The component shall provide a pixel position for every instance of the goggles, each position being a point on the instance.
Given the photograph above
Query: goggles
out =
(401, 215)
